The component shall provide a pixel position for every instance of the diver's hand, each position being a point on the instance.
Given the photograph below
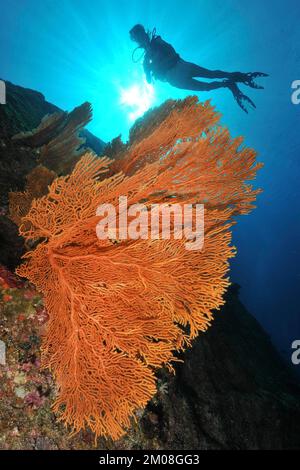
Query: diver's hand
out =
(241, 99)
(148, 78)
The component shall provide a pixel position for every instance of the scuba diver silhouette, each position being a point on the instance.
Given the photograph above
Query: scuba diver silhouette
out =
(162, 62)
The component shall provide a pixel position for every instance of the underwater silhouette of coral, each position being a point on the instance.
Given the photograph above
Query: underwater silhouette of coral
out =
(120, 309)
(57, 144)
(57, 138)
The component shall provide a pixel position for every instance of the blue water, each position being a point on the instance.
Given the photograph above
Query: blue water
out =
(73, 51)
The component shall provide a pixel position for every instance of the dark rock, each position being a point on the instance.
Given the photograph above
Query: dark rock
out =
(23, 112)
(11, 244)
(233, 391)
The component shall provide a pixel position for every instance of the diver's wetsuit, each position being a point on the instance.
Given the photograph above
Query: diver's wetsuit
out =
(159, 58)
(162, 62)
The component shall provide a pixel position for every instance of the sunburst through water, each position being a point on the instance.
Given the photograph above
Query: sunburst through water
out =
(138, 98)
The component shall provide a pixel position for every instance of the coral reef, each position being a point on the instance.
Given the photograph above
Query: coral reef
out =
(23, 112)
(56, 139)
(118, 311)
(37, 184)
(26, 391)
(231, 392)
(57, 143)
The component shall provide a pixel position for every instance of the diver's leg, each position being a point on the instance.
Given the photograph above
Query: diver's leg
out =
(197, 71)
(238, 77)
(194, 70)
(188, 83)
(179, 76)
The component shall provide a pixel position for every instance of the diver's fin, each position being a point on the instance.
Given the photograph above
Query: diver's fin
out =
(240, 98)
(250, 79)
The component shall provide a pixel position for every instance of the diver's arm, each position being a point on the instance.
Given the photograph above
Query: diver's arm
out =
(147, 69)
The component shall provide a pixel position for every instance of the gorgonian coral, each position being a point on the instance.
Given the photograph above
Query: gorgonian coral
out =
(37, 184)
(56, 140)
(120, 308)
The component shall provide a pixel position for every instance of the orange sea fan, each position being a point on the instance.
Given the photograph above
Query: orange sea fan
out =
(120, 308)
(37, 184)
